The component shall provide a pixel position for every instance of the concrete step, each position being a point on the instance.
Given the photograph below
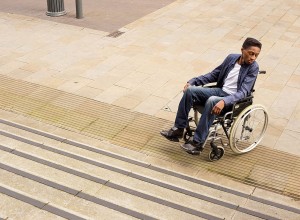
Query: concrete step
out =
(16, 204)
(16, 209)
(97, 170)
(66, 200)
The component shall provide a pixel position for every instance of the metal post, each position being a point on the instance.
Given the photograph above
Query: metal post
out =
(79, 14)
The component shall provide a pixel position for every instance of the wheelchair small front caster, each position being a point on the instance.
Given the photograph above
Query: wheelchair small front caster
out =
(188, 134)
(216, 153)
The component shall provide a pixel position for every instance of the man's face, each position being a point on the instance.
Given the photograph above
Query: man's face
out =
(250, 54)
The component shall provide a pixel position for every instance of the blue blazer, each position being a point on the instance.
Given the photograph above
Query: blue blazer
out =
(246, 80)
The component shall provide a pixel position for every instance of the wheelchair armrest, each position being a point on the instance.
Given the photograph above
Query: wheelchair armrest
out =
(210, 85)
(248, 98)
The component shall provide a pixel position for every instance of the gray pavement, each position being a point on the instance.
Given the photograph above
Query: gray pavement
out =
(103, 15)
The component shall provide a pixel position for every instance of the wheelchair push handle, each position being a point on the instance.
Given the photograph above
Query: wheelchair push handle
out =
(259, 72)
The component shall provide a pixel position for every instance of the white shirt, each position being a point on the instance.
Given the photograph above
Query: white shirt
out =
(230, 84)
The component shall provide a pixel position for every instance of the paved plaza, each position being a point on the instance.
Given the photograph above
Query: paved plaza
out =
(145, 69)
(70, 74)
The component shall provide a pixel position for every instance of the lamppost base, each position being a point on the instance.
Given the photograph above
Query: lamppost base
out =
(56, 14)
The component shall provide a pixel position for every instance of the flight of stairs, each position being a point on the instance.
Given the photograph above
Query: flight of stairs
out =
(48, 172)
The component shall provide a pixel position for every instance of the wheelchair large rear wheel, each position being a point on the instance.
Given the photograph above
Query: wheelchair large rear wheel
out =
(248, 129)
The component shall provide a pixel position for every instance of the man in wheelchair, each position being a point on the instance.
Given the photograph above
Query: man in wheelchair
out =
(234, 80)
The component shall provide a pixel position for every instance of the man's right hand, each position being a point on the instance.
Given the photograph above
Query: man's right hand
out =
(186, 86)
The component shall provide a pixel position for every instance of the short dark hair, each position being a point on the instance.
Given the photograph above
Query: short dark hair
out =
(251, 42)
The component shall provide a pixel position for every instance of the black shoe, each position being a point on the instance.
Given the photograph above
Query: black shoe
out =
(173, 134)
(192, 147)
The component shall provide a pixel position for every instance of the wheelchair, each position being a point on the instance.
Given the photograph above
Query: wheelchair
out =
(244, 126)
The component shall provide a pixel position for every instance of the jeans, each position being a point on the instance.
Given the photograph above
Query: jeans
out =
(208, 97)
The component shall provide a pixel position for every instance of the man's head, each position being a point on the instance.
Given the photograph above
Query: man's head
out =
(250, 50)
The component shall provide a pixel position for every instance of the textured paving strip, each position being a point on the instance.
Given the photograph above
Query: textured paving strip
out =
(263, 167)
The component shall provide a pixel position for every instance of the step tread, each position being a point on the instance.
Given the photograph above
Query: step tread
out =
(34, 205)
(11, 208)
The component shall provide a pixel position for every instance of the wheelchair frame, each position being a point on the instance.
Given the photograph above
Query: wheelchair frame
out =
(232, 122)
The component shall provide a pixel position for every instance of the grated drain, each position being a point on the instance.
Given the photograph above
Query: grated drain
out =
(115, 34)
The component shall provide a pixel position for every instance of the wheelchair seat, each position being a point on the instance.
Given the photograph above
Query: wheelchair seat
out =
(233, 110)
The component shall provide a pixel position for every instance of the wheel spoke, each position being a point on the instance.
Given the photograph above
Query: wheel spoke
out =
(248, 129)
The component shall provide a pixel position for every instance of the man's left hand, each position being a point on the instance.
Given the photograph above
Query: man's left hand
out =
(218, 107)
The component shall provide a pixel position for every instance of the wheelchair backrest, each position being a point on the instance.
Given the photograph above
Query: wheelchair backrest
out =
(239, 106)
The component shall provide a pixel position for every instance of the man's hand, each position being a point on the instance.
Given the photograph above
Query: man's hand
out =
(185, 87)
(218, 107)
